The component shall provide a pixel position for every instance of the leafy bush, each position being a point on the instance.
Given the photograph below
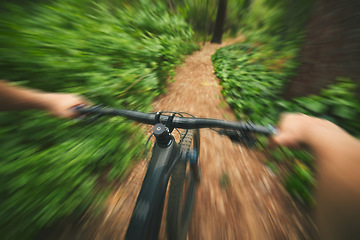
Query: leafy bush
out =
(253, 87)
(253, 79)
(336, 103)
(277, 22)
(249, 86)
(254, 75)
(117, 55)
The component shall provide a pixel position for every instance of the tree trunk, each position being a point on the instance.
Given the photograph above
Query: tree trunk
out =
(330, 50)
(206, 21)
(220, 20)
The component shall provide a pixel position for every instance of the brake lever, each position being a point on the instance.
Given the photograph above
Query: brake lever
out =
(85, 117)
(239, 137)
(273, 130)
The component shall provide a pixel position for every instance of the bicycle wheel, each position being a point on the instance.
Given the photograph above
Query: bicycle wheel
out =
(183, 183)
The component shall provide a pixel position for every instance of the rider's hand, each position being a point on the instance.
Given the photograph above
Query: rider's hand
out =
(296, 129)
(62, 104)
(338, 166)
(291, 129)
(320, 135)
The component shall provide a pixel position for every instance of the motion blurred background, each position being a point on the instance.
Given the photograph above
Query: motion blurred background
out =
(298, 55)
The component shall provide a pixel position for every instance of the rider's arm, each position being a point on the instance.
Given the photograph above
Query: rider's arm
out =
(18, 98)
(338, 171)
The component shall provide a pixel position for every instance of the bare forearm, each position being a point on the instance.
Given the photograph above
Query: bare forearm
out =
(18, 98)
(329, 142)
(338, 195)
(337, 156)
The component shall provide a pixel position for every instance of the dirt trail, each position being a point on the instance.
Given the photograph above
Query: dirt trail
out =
(250, 203)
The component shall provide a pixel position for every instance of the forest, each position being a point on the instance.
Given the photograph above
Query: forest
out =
(124, 54)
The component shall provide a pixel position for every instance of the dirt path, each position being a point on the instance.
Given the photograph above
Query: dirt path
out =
(238, 197)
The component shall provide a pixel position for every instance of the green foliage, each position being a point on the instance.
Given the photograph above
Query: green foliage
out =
(255, 73)
(296, 168)
(224, 180)
(300, 183)
(235, 12)
(253, 77)
(249, 86)
(201, 14)
(117, 55)
(279, 22)
(336, 103)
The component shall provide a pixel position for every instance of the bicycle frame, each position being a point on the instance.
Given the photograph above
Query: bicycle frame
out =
(146, 218)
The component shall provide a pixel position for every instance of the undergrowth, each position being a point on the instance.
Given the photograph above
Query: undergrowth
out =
(115, 54)
(253, 77)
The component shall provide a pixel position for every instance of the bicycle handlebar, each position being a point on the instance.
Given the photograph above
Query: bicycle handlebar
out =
(177, 122)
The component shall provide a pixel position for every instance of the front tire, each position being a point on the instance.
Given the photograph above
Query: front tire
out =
(184, 179)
